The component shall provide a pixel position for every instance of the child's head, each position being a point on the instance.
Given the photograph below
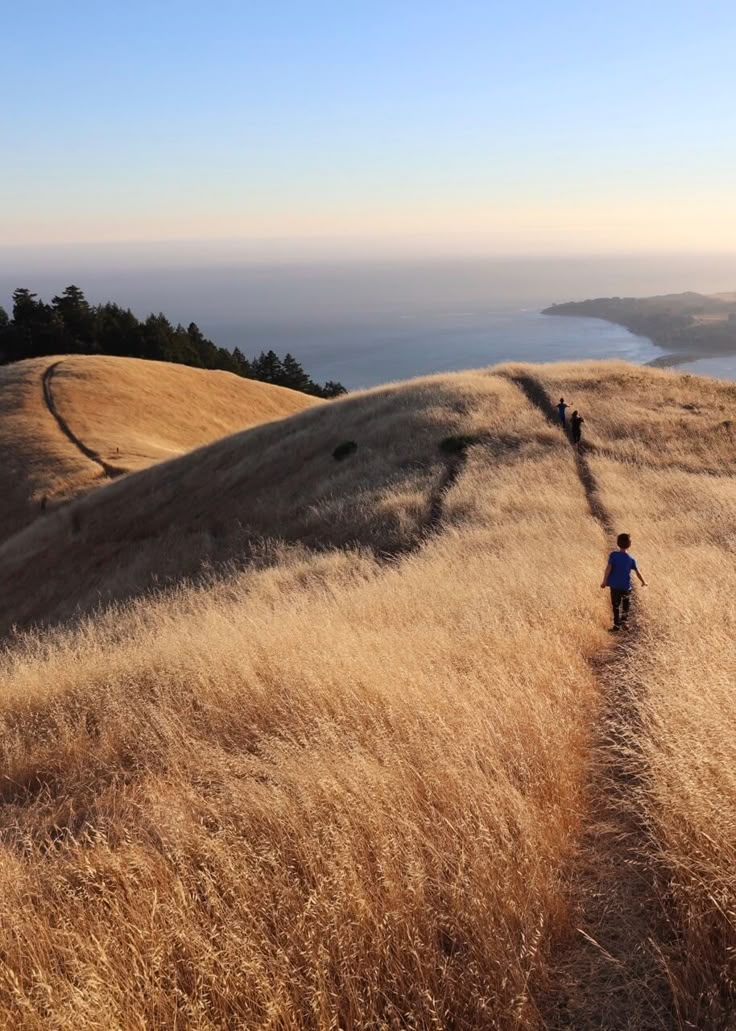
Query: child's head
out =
(562, 400)
(624, 541)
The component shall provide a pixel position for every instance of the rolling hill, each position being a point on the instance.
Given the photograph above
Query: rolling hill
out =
(292, 742)
(69, 424)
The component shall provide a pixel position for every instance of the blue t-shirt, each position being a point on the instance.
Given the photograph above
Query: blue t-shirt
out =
(622, 565)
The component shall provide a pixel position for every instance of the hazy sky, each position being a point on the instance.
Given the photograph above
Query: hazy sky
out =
(525, 127)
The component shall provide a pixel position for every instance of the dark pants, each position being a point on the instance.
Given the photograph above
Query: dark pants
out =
(620, 600)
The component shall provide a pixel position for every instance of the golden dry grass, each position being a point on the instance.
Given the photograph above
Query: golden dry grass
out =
(680, 742)
(221, 503)
(341, 780)
(38, 461)
(132, 413)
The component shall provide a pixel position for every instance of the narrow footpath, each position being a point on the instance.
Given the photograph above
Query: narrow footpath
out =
(608, 976)
(455, 462)
(110, 471)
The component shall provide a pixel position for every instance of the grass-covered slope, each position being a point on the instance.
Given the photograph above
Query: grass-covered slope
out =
(351, 776)
(133, 413)
(278, 482)
(67, 424)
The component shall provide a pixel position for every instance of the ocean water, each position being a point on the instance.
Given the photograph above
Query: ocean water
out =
(378, 349)
(370, 322)
(720, 368)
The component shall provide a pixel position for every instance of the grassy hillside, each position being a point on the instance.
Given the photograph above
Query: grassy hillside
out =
(377, 762)
(126, 413)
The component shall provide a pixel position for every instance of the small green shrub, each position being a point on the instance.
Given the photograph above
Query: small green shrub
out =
(456, 445)
(343, 450)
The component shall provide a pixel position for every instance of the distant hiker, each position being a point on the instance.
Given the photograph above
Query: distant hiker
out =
(618, 577)
(576, 421)
(561, 412)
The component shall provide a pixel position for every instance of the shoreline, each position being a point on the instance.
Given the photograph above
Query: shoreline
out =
(671, 357)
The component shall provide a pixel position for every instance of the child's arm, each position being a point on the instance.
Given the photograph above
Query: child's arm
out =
(642, 581)
(606, 575)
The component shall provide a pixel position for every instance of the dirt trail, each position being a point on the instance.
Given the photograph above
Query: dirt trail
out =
(456, 458)
(536, 393)
(454, 465)
(607, 974)
(110, 471)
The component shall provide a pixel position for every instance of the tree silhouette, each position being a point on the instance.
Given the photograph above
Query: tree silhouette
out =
(71, 325)
(77, 317)
(243, 366)
(333, 389)
(268, 367)
(293, 375)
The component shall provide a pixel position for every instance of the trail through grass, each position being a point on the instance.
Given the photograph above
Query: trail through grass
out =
(303, 744)
(607, 974)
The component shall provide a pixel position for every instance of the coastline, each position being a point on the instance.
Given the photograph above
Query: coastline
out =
(672, 359)
(671, 333)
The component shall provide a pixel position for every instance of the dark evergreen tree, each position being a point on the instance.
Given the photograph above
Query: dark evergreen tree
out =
(118, 331)
(243, 366)
(156, 338)
(77, 317)
(205, 350)
(37, 329)
(27, 309)
(332, 389)
(70, 324)
(293, 375)
(268, 367)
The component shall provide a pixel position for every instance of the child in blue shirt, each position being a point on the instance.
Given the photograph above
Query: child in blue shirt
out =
(618, 577)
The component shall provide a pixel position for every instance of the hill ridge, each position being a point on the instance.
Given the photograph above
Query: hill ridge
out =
(69, 423)
(345, 743)
(110, 471)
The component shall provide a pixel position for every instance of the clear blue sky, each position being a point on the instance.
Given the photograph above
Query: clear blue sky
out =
(530, 126)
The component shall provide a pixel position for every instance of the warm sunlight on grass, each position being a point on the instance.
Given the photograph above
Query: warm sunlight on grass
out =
(338, 777)
(135, 412)
(130, 412)
(682, 746)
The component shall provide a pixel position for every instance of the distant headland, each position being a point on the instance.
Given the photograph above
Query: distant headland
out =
(688, 326)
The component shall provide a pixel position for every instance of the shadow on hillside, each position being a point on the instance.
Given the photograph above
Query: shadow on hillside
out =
(235, 503)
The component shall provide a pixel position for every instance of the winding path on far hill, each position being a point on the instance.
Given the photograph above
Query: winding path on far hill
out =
(607, 977)
(456, 457)
(454, 465)
(110, 471)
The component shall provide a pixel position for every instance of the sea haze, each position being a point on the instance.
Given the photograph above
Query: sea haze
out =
(370, 322)
(380, 347)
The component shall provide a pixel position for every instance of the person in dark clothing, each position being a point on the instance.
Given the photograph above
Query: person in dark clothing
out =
(617, 577)
(576, 421)
(561, 412)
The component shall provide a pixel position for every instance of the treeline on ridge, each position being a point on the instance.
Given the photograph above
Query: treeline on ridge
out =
(71, 325)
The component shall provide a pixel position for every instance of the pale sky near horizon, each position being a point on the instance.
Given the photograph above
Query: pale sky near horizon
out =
(508, 128)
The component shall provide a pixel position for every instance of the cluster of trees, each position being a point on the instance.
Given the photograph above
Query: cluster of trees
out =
(71, 325)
